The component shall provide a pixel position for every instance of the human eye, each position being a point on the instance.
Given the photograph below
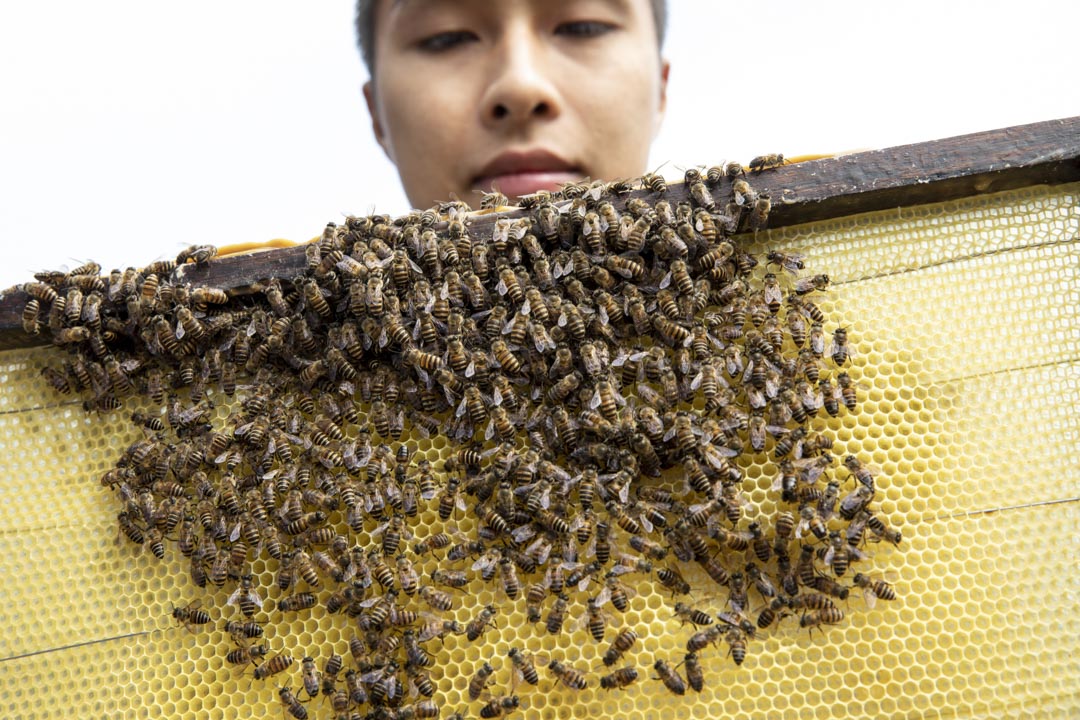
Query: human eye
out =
(443, 41)
(584, 28)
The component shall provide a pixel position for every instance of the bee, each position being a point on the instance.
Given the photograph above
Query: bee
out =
(855, 502)
(810, 519)
(830, 587)
(673, 580)
(713, 569)
(759, 217)
(883, 531)
(191, 616)
(199, 254)
(498, 706)
(736, 642)
(296, 602)
(623, 677)
(246, 655)
(825, 616)
(761, 581)
(846, 387)
(246, 597)
(417, 656)
(743, 194)
(571, 678)
(654, 183)
(768, 614)
(439, 629)
(407, 575)
(493, 200)
(615, 591)
(807, 285)
(619, 646)
(670, 677)
(704, 638)
(524, 665)
(701, 196)
(648, 548)
(861, 471)
(557, 616)
(243, 630)
(437, 599)
(764, 162)
(476, 627)
(508, 574)
(480, 680)
(273, 666)
(311, 676)
(874, 589)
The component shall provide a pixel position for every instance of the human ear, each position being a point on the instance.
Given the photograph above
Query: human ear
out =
(376, 123)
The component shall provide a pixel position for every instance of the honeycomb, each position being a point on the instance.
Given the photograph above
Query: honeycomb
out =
(975, 444)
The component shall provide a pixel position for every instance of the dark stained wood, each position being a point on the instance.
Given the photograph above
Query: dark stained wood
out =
(939, 170)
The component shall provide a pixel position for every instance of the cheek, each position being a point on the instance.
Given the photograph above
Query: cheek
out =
(423, 131)
(618, 112)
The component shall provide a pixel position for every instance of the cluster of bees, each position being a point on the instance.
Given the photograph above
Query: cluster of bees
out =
(603, 361)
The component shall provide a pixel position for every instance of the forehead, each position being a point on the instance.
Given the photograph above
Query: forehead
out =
(393, 9)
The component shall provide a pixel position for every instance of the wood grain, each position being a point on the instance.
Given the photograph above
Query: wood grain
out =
(936, 171)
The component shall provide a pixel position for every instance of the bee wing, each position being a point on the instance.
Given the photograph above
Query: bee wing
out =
(869, 596)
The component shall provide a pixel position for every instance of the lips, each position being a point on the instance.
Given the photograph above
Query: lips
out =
(521, 173)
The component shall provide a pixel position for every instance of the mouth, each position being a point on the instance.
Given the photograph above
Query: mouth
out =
(520, 173)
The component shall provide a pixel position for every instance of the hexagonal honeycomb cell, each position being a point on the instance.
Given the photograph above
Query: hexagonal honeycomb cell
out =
(965, 321)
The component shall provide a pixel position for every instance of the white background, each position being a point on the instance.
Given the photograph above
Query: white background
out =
(130, 129)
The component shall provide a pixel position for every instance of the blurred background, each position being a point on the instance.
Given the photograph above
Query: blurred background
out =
(130, 130)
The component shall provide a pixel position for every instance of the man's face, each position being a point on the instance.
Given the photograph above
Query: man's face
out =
(522, 95)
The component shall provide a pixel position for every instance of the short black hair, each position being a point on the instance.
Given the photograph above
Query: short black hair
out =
(365, 28)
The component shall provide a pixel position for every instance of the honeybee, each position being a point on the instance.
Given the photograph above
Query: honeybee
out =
(743, 194)
(856, 501)
(557, 616)
(807, 285)
(670, 677)
(199, 254)
(273, 666)
(191, 616)
(292, 705)
(861, 471)
(847, 390)
(240, 631)
(619, 646)
(825, 616)
(498, 706)
(414, 652)
(570, 677)
(764, 162)
(654, 183)
(615, 591)
(476, 627)
(623, 677)
(524, 665)
(873, 589)
(673, 580)
(246, 654)
(246, 597)
(480, 680)
(311, 676)
(736, 642)
(759, 217)
(296, 602)
(883, 531)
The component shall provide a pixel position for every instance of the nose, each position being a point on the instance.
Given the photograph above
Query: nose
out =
(520, 90)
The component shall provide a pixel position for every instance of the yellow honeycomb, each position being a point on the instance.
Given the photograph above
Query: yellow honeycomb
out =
(966, 320)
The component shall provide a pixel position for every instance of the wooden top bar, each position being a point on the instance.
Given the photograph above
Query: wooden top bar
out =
(985, 162)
